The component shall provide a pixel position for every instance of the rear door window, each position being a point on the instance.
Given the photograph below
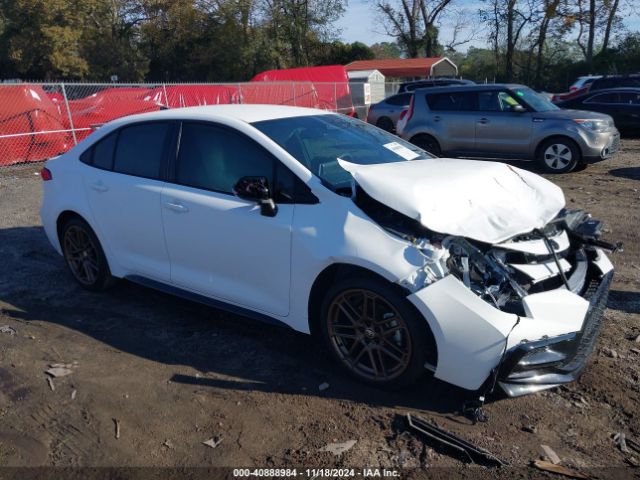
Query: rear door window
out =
(140, 149)
(451, 102)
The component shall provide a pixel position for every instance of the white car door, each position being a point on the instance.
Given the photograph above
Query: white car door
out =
(123, 185)
(220, 245)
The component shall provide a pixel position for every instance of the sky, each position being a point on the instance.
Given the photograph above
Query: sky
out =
(361, 23)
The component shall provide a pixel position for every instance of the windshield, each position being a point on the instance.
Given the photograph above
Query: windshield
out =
(318, 141)
(535, 100)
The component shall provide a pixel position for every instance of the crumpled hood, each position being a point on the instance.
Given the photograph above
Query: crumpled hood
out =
(486, 201)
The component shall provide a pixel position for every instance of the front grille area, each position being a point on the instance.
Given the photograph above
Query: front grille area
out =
(597, 293)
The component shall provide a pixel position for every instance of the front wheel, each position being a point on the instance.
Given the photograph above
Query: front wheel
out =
(558, 155)
(374, 333)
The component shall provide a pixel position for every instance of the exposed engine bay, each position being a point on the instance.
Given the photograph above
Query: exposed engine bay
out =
(554, 257)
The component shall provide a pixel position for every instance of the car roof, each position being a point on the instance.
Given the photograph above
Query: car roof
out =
(614, 90)
(244, 113)
(469, 87)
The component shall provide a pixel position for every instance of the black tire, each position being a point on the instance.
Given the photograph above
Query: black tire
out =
(385, 123)
(369, 354)
(559, 155)
(427, 143)
(84, 256)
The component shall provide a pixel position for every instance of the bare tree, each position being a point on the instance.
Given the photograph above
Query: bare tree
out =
(462, 32)
(413, 23)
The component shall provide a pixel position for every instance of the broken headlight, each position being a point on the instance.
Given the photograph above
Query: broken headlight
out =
(483, 274)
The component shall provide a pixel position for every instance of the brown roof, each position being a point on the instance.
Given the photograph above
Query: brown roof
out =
(398, 67)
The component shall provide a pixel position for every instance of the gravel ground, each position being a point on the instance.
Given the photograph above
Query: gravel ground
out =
(170, 374)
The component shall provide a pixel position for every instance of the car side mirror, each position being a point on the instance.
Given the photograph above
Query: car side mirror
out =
(518, 109)
(257, 190)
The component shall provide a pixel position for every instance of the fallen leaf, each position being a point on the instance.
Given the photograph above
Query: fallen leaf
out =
(212, 442)
(339, 448)
(559, 469)
(59, 372)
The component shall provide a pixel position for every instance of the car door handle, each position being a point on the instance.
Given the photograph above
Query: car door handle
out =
(176, 207)
(99, 187)
(437, 118)
(483, 121)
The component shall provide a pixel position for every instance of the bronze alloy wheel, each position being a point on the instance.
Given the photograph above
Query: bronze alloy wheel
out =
(81, 254)
(369, 335)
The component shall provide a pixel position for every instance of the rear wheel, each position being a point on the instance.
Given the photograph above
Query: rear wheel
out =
(558, 155)
(427, 143)
(372, 331)
(84, 256)
(385, 123)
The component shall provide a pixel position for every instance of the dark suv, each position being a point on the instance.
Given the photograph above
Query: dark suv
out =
(507, 121)
(616, 81)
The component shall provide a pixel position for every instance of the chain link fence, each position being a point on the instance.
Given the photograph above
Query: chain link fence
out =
(42, 120)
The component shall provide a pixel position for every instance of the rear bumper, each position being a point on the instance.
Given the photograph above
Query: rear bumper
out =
(546, 363)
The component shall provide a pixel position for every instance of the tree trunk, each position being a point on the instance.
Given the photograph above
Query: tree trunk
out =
(592, 33)
(612, 15)
(511, 4)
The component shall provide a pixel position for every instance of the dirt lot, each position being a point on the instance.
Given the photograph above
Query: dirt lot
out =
(173, 374)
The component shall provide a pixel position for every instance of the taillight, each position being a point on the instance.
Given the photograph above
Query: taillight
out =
(403, 114)
(410, 112)
(45, 173)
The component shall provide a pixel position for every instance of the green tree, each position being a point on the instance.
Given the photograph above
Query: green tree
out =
(386, 50)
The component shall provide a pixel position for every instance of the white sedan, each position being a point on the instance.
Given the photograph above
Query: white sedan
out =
(398, 262)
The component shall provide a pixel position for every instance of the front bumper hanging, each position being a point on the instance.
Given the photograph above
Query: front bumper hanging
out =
(546, 363)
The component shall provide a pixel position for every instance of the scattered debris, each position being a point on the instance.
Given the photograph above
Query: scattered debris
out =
(213, 442)
(470, 451)
(64, 365)
(637, 340)
(559, 469)
(530, 429)
(621, 441)
(550, 454)
(609, 352)
(7, 329)
(167, 443)
(636, 350)
(339, 448)
(117, 425)
(73, 394)
(59, 372)
(323, 386)
(50, 382)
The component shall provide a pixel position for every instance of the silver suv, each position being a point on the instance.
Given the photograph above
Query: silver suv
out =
(508, 121)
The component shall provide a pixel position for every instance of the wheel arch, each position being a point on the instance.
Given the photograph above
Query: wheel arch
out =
(336, 271)
(67, 215)
(63, 218)
(560, 136)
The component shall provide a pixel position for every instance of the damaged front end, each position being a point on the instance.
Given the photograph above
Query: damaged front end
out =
(524, 312)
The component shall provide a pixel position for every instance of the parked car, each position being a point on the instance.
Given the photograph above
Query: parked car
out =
(622, 104)
(434, 82)
(616, 81)
(398, 262)
(583, 82)
(508, 121)
(385, 114)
